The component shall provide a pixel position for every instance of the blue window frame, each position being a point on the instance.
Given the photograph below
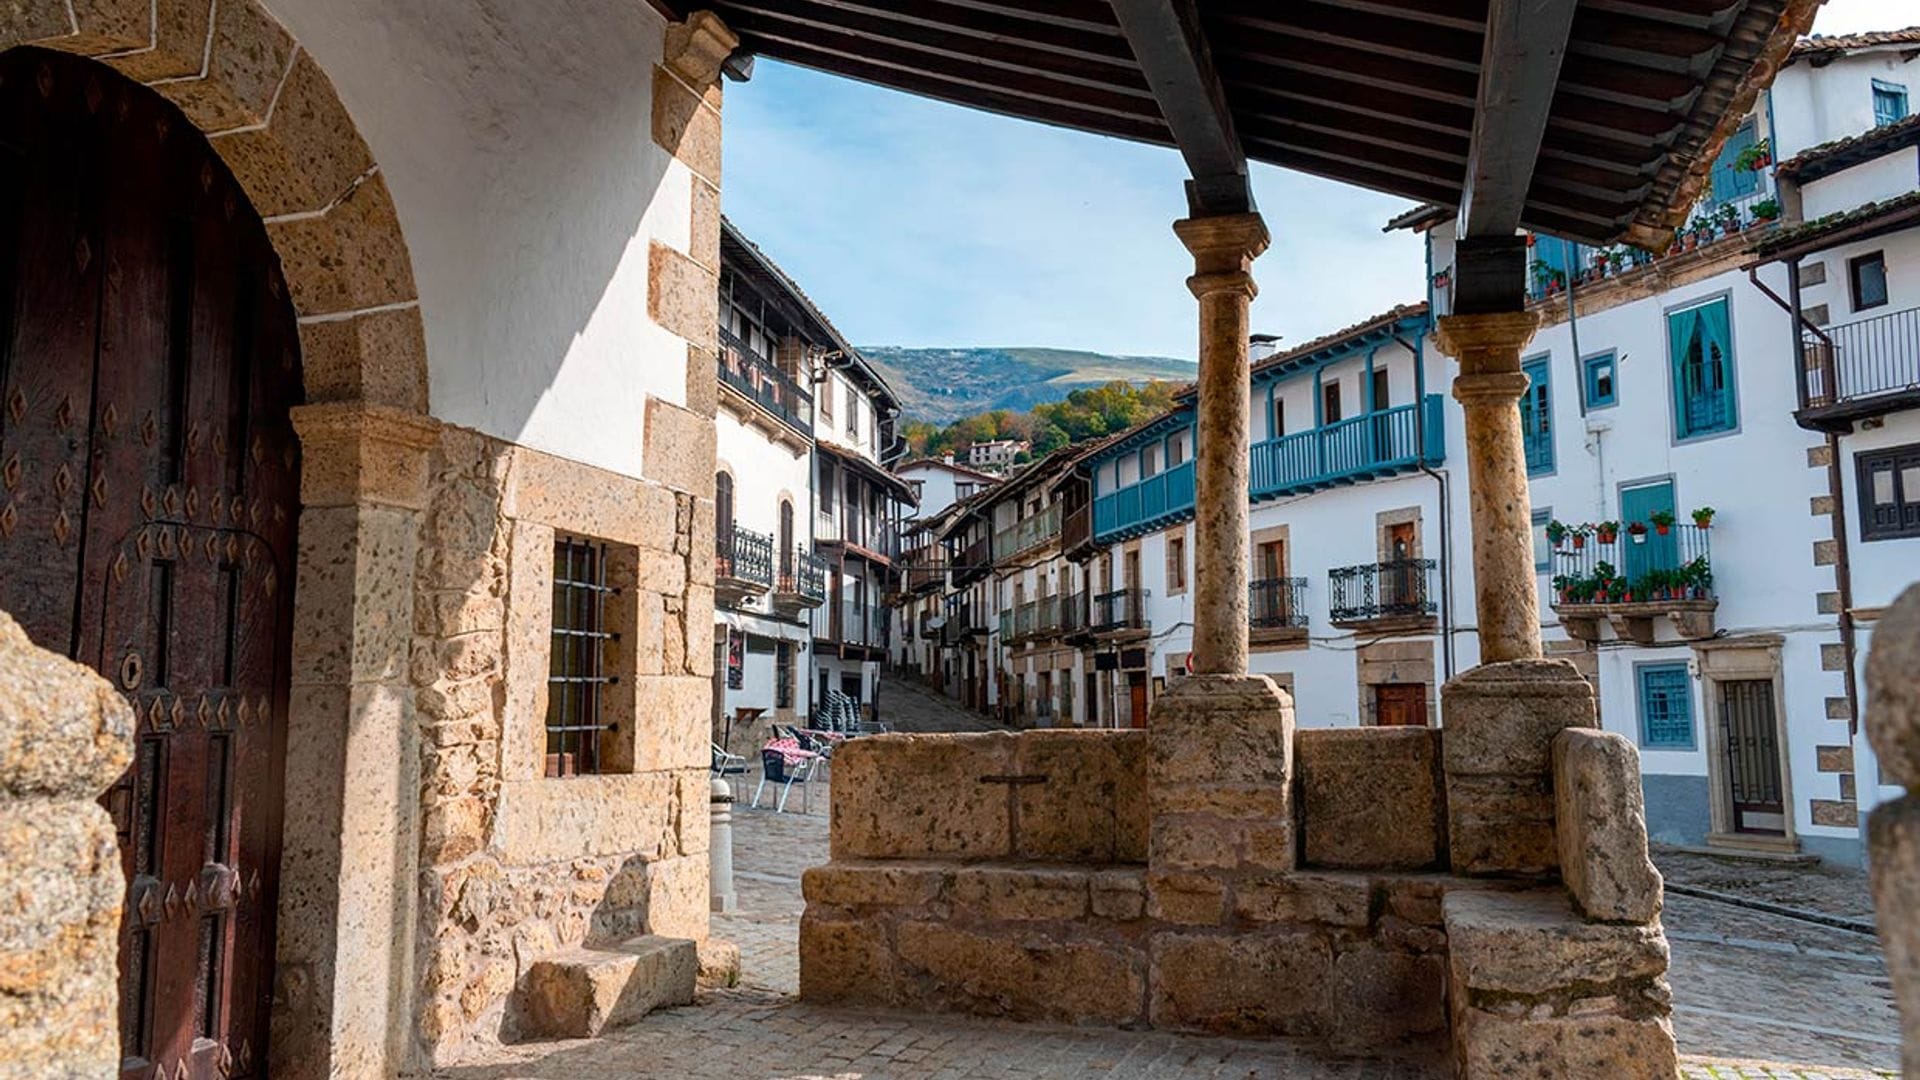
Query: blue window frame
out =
(1700, 348)
(1536, 417)
(1889, 102)
(1666, 707)
(1600, 375)
(1729, 180)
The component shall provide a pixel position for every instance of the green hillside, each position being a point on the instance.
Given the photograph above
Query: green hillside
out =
(943, 385)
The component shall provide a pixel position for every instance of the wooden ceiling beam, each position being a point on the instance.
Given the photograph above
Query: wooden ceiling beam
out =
(988, 24)
(1631, 39)
(960, 72)
(1616, 81)
(1402, 183)
(1519, 72)
(1401, 38)
(796, 17)
(970, 93)
(1172, 52)
(1334, 125)
(1298, 93)
(1256, 51)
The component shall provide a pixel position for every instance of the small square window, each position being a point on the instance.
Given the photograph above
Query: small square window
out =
(1600, 377)
(1889, 102)
(1867, 277)
(1666, 707)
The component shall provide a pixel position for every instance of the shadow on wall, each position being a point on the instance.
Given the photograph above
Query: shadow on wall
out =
(516, 139)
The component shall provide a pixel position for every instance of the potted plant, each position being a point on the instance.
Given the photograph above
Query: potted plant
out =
(1556, 532)
(1662, 521)
(1728, 218)
(1766, 210)
(1637, 531)
(1606, 582)
(1616, 259)
(1443, 279)
(1579, 535)
(1607, 531)
(1699, 578)
(1755, 157)
(1562, 587)
(1703, 517)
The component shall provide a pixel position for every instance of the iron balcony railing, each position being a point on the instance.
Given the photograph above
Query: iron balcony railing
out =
(1380, 442)
(743, 555)
(1027, 533)
(1277, 603)
(1634, 567)
(803, 573)
(1745, 201)
(1121, 609)
(1389, 590)
(1860, 359)
(769, 387)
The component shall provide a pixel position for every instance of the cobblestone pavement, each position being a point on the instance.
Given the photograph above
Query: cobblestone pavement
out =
(1816, 886)
(1756, 997)
(908, 706)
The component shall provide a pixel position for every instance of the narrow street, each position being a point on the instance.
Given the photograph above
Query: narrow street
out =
(1756, 996)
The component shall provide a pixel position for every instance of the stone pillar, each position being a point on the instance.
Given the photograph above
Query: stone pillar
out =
(1223, 250)
(343, 1001)
(1506, 597)
(1893, 828)
(65, 736)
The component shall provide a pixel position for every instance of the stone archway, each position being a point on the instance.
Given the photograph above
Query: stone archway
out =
(343, 990)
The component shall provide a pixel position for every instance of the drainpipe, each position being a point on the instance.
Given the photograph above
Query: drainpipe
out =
(1418, 348)
(1573, 331)
(1842, 559)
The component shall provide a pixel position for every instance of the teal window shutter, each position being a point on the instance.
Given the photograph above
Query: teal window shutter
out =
(1700, 346)
(1536, 417)
(1729, 181)
(1889, 102)
(1601, 380)
(1666, 707)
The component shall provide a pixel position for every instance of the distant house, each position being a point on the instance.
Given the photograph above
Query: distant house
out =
(996, 454)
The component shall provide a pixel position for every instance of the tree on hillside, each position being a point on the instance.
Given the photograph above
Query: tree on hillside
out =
(1087, 413)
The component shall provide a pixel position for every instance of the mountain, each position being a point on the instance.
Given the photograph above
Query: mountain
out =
(943, 385)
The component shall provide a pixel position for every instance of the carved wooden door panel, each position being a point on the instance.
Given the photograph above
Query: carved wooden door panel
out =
(148, 499)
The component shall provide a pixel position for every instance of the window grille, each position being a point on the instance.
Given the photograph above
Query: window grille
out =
(577, 671)
(1666, 707)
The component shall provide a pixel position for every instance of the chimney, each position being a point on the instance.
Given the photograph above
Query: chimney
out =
(1261, 346)
(948, 459)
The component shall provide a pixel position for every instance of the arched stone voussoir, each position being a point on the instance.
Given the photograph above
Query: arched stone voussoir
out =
(272, 115)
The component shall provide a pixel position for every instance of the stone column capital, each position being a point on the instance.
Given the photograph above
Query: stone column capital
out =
(1488, 341)
(1225, 243)
(356, 454)
(1228, 281)
(1497, 388)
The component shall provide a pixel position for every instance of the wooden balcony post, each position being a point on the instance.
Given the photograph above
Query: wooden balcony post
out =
(1489, 387)
(1223, 250)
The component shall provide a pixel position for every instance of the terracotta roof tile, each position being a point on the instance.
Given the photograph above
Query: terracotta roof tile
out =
(1832, 43)
(1831, 157)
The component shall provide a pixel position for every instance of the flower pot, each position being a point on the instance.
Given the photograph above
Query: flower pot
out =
(1638, 538)
(1607, 537)
(1663, 529)
(1579, 542)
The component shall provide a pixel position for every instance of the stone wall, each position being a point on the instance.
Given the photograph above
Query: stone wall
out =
(516, 867)
(65, 735)
(1220, 873)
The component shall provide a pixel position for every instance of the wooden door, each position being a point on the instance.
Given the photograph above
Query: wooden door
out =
(1749, 733)
(1400, 705)
(148, 499)
(1137, 690)
(1651, 551)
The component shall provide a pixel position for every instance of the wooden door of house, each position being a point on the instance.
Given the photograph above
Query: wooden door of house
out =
(1400, 705)
(148, 500)
(1137, 697)
(1650, 551)
(1749, 735)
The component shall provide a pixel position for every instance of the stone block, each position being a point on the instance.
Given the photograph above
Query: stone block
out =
(889, 884)
(1031, 975)
(1372, 798)
(1020, 892)
(682, 297)
(846, 961)
(922, 796)
(1501, 825)
(350, 258)
(1381, 997)
(1601, 821)
(719, 964)
(678, 448)
(65, 732)
(1534, 943)
(1255, 983)
(1186, 899)
(1893, 694)
(579, 993)
(686, 126)
(1120, 895)
(1091, 802)
(671, 722)
(1501, 718)
(677, 896)
(1490, 1046)
(1212, 730)
(1893, 862)
(1344, 900)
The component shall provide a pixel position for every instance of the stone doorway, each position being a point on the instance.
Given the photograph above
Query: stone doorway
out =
(149, 361)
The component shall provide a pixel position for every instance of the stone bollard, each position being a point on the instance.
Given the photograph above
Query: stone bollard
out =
(720, 848)
(1893, 829)
(65, 736)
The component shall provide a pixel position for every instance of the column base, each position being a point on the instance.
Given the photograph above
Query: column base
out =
(1497, 750)
(1220, 781)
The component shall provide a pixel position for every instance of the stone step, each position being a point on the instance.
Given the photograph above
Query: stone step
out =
(579, 993)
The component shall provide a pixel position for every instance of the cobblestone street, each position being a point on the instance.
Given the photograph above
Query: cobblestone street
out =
(1755, 996)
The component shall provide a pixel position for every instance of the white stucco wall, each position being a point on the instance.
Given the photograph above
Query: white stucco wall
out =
(515, 136)
(1813, 105)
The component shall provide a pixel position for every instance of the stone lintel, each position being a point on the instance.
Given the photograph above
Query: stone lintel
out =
(356, 454)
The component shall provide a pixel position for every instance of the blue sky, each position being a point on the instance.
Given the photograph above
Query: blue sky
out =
(911, 222)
